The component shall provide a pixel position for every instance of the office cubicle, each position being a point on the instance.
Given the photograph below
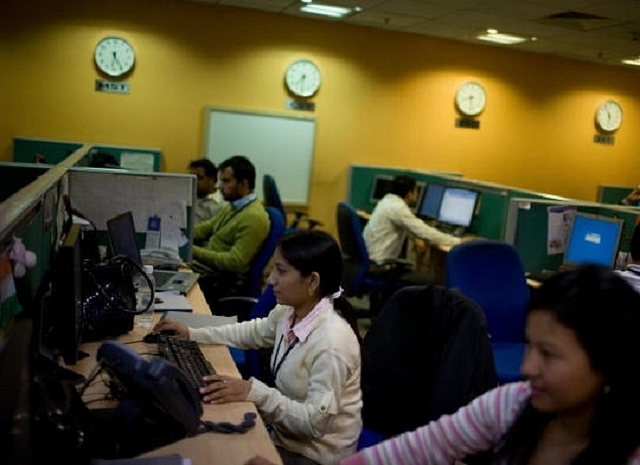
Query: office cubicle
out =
(143, 159)
(528, 226)
(15, 176)
(491, 211)
(612, 194)
(101, 194)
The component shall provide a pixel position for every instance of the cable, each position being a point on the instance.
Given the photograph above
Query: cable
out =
(229, 428)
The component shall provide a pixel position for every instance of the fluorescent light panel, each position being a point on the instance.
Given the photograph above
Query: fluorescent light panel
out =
(500, 38)
(326, 10)
(632, 61)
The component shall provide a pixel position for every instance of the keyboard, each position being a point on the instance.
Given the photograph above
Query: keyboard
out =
(541, 275)
(187, 356)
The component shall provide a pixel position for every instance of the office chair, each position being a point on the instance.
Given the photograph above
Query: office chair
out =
(272, 199)
(427, 354)
(256, 272)
(251, 362)
(491, 273)
(360, 275)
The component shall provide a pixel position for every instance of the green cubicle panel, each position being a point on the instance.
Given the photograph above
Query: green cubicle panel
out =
(612, 194)
(528, 227)
(361, 181)
(143, 159)
(15, 176)
(25, 149)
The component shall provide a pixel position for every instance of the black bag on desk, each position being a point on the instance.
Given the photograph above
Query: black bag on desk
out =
(109, 298)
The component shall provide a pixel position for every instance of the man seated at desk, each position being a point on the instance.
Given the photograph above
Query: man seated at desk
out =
(392, 221)
(210, 200)
(225, 245)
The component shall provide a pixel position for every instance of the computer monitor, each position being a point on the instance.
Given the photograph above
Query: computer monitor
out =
(420, 186)
(122, 237)
(381, 187)
(63, 320)
(458, 206)
(431, 199)
(593, 239)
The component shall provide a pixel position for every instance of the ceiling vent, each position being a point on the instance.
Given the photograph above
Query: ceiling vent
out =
(578, 21)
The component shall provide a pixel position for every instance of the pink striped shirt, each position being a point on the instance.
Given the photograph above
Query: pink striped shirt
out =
(477, 427)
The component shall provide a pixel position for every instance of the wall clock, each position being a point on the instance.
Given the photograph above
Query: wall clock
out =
(114, 56)
(609, 116)
(471, 98)
(303, 78)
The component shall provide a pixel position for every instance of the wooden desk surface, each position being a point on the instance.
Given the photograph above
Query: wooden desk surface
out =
(206, 448)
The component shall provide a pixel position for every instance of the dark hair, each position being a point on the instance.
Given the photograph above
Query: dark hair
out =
(103, 160)
(603, 310)
(634, 246)
(242, 169)
(310, 250)
(402, 185)
(207, 165)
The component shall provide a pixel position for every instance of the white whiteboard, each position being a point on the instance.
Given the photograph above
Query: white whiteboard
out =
(279, 145)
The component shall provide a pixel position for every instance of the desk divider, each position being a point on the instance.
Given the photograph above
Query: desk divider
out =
(527, 227)
(612, 194)
(101, 194)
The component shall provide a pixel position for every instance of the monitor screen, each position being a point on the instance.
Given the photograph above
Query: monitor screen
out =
(420, 186)
(593, 239)
(431, 199)
(381, 187)
(122, 237)
(457, 206)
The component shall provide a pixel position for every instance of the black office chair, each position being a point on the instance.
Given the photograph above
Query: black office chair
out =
(272, 199)
(361, 276)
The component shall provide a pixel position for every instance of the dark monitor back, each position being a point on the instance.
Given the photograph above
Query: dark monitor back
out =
(381, 187)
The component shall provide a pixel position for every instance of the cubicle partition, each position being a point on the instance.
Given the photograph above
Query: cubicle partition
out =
(612, 194)
(15, 176)
(101, 194)
(143, 159)
(528, 228)
(490, 218)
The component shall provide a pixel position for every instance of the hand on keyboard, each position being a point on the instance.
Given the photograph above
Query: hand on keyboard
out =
(179, 330)
(221, 389)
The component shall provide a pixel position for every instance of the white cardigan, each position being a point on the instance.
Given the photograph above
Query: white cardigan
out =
(316, 409)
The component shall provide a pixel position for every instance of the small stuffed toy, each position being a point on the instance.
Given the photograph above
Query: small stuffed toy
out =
(20, 257)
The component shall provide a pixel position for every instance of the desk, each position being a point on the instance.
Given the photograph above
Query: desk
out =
(206, 448)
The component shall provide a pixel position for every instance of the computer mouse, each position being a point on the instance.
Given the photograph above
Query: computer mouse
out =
(152, 338)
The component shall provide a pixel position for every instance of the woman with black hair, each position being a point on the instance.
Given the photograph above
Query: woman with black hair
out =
(581, 399)
(314, 407)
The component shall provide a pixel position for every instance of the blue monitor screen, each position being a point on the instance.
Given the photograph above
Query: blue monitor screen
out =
(593, 240)
(457, 206)
(430, 205)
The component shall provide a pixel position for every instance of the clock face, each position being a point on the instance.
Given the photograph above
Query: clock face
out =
(471, 98)
(609, 115)
(303, 78)
(114, 56)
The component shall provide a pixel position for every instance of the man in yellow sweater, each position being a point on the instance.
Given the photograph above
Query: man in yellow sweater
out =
(225, 245)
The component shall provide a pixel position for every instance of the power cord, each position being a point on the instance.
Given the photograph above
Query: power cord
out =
(229, 428)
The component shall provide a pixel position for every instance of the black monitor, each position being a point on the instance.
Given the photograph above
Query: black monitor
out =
(458, 206)
(420, 186)
(122, 237)
(593, 239)
(381, 186)
(62, 319)
(431, 199)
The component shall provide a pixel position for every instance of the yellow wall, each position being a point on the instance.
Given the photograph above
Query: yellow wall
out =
(386, 98)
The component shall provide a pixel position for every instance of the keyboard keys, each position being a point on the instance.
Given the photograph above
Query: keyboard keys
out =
(188, 356)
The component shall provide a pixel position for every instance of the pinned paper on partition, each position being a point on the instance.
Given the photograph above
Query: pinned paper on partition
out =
(174, 222)
(559, 223)
(137, 161)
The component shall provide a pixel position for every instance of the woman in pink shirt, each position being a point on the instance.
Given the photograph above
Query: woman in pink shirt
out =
(581, 398)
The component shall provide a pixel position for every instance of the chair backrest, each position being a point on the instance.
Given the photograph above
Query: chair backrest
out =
(427, 354)
(276, 229)
(354, 250)
(491, 273)
(272, 195)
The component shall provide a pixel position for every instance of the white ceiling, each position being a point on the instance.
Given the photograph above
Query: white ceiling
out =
(601, 31)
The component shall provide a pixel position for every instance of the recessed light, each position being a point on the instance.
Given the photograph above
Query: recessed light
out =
(493, 35)
(632, 61)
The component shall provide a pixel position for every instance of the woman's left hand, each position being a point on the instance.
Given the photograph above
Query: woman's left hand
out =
(222, 389)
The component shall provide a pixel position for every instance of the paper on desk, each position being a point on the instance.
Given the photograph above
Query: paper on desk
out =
(195, 320)
(171, 301)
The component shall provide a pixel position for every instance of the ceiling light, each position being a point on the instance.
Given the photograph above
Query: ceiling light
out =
(632, 61)
(327, 10)
(493, 35)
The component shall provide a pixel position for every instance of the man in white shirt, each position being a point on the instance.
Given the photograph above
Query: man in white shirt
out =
(392, 221)
(210, 200)
(632, 272)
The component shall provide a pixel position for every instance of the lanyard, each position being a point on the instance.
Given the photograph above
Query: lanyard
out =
(275, 368)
